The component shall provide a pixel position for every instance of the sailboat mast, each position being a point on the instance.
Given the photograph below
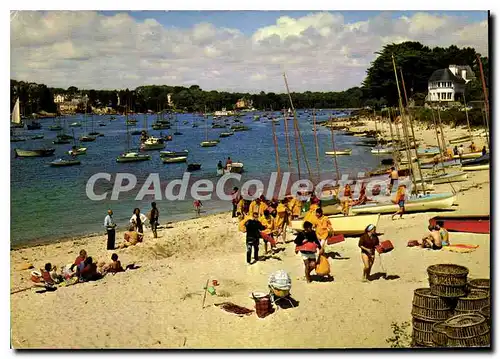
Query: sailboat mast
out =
(335, 153)
(405, 131)
(441, 151)
(394, 157)
(287, 141)
(467, 117)
(316, 141)
(412, 132)
(275, 139)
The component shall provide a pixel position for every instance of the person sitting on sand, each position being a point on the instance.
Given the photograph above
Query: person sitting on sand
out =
(445, 237)
(115, 266)
(89, 271)
(50, 276)
(433, 240)
(138, 219)
(131, 237)
(253, 228)
(80, 259)
(362, 199)
(307, 244)
(400, 201)
(367, 242)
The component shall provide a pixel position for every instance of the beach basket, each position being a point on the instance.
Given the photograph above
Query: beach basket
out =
(473, 302)
(429, 307)
(486, 312)
(439, 337)
(448, 280)
(482, 284)
(422, 337)
(262, 304)
(468, 330)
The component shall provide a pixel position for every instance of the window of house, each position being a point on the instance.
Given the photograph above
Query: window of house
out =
(439, 84)
(443, 95)
(450, 84)
(449, 95)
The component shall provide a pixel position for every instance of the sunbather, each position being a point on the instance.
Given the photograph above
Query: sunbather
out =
(433, 240)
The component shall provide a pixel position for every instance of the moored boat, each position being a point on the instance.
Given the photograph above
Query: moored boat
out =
(62, 162)
(447, 178)
(34, 153)
(339, 152)
(174, 159)
(61, 141)
(174, 153)
(476, 167)
(75, 124)
(226, 134)
(346, 225)
(381, 150)
(193, 167)
(87, 138)
(37, 137)
(470, 155)
(438, 201)
(463, 223)
(132, 157)
(153, 143)
(208, 144)
(235, 167)
(477, 164)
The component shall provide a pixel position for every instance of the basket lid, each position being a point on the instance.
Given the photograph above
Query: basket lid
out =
(465, 320)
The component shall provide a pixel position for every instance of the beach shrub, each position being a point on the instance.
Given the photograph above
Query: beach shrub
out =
(401, 336)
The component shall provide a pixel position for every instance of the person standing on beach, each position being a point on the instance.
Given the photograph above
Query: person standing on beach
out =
(346, 200)
(484, 151)
(153, 218)
(197, 206)
(138, 219)
(253, 228)
(368, 241)
(269, 232)
(235, 199)
(394, 176)
(110, 226)
(307, 244)
(400, 201)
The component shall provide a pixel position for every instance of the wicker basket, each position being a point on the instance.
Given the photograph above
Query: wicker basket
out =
(422, 337)
(466, 326)
(473, 302)
(448, 274)
(482, 284)
(417, 345)
(423, 325)
(431, 308)
(439, 337)
(482, 340)
(485, 312)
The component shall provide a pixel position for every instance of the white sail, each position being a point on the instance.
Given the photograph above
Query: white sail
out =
(16, 115)
(118, 97)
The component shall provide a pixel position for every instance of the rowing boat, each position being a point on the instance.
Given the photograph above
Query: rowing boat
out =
(425, 202)
(174, 159)
(463, 223)
(477, 164)
(346, 225)
(346, 151)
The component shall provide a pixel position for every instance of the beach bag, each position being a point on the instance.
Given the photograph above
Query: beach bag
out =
(384, 247)
(280, 280)
(323, 267)
(335, 239)
(413, 243)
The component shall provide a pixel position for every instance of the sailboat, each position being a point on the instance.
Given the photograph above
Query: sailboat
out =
(207, 143)
(86, 137)
(94, 133)
(177, 133)
(379, 149)
(131, 156)
(77, 150)
(16, 122)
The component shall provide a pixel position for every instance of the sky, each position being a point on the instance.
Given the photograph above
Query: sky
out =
(236, 51)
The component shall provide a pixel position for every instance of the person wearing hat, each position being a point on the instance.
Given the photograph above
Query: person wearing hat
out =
(368, 241)
(400, 201)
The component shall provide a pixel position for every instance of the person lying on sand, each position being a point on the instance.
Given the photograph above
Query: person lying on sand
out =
(433, 239)
(307, 244)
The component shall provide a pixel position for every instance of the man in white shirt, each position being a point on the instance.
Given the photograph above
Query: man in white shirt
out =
(110, 228)
(461, 152)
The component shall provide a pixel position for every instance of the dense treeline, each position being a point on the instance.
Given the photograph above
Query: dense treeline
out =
(416, 61)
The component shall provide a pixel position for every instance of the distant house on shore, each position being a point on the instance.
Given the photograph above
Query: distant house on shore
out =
(448, 85)
(243, 103)
(169, 100)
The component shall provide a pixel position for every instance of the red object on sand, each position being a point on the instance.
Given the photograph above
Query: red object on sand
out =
(215, 283)
(384, 247)
(307, 247)
(335, 239)
(413, 243)
(463, 223)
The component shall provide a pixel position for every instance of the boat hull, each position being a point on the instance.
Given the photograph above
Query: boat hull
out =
(153, 147)
(208, 144)
(346, 225)
(64, 163)
(449, 177)
(429, 202)
(463, 223)
(34, 153)
(338, 153)
(476, 167)
(174, 159)
(469, 155)
(381, 151)
(139, 158)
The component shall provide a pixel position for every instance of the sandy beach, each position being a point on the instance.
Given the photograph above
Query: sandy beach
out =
(159, 305)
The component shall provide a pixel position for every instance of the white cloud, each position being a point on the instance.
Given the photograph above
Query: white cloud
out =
(319, 51)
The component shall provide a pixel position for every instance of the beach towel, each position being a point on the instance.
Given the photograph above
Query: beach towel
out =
(460, 248)
(234, 309)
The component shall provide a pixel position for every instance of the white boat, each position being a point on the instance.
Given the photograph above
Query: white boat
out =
(132, 157)
(476, 167)
(174, 159)
(448, 177)
(174, 153)
(381, 150)
(469, 155)
(235, 167)
(16, 114)
(209, 143)
(346, 225)
(153, 143)
(78, 151)
(346, 151)
(422, 203)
